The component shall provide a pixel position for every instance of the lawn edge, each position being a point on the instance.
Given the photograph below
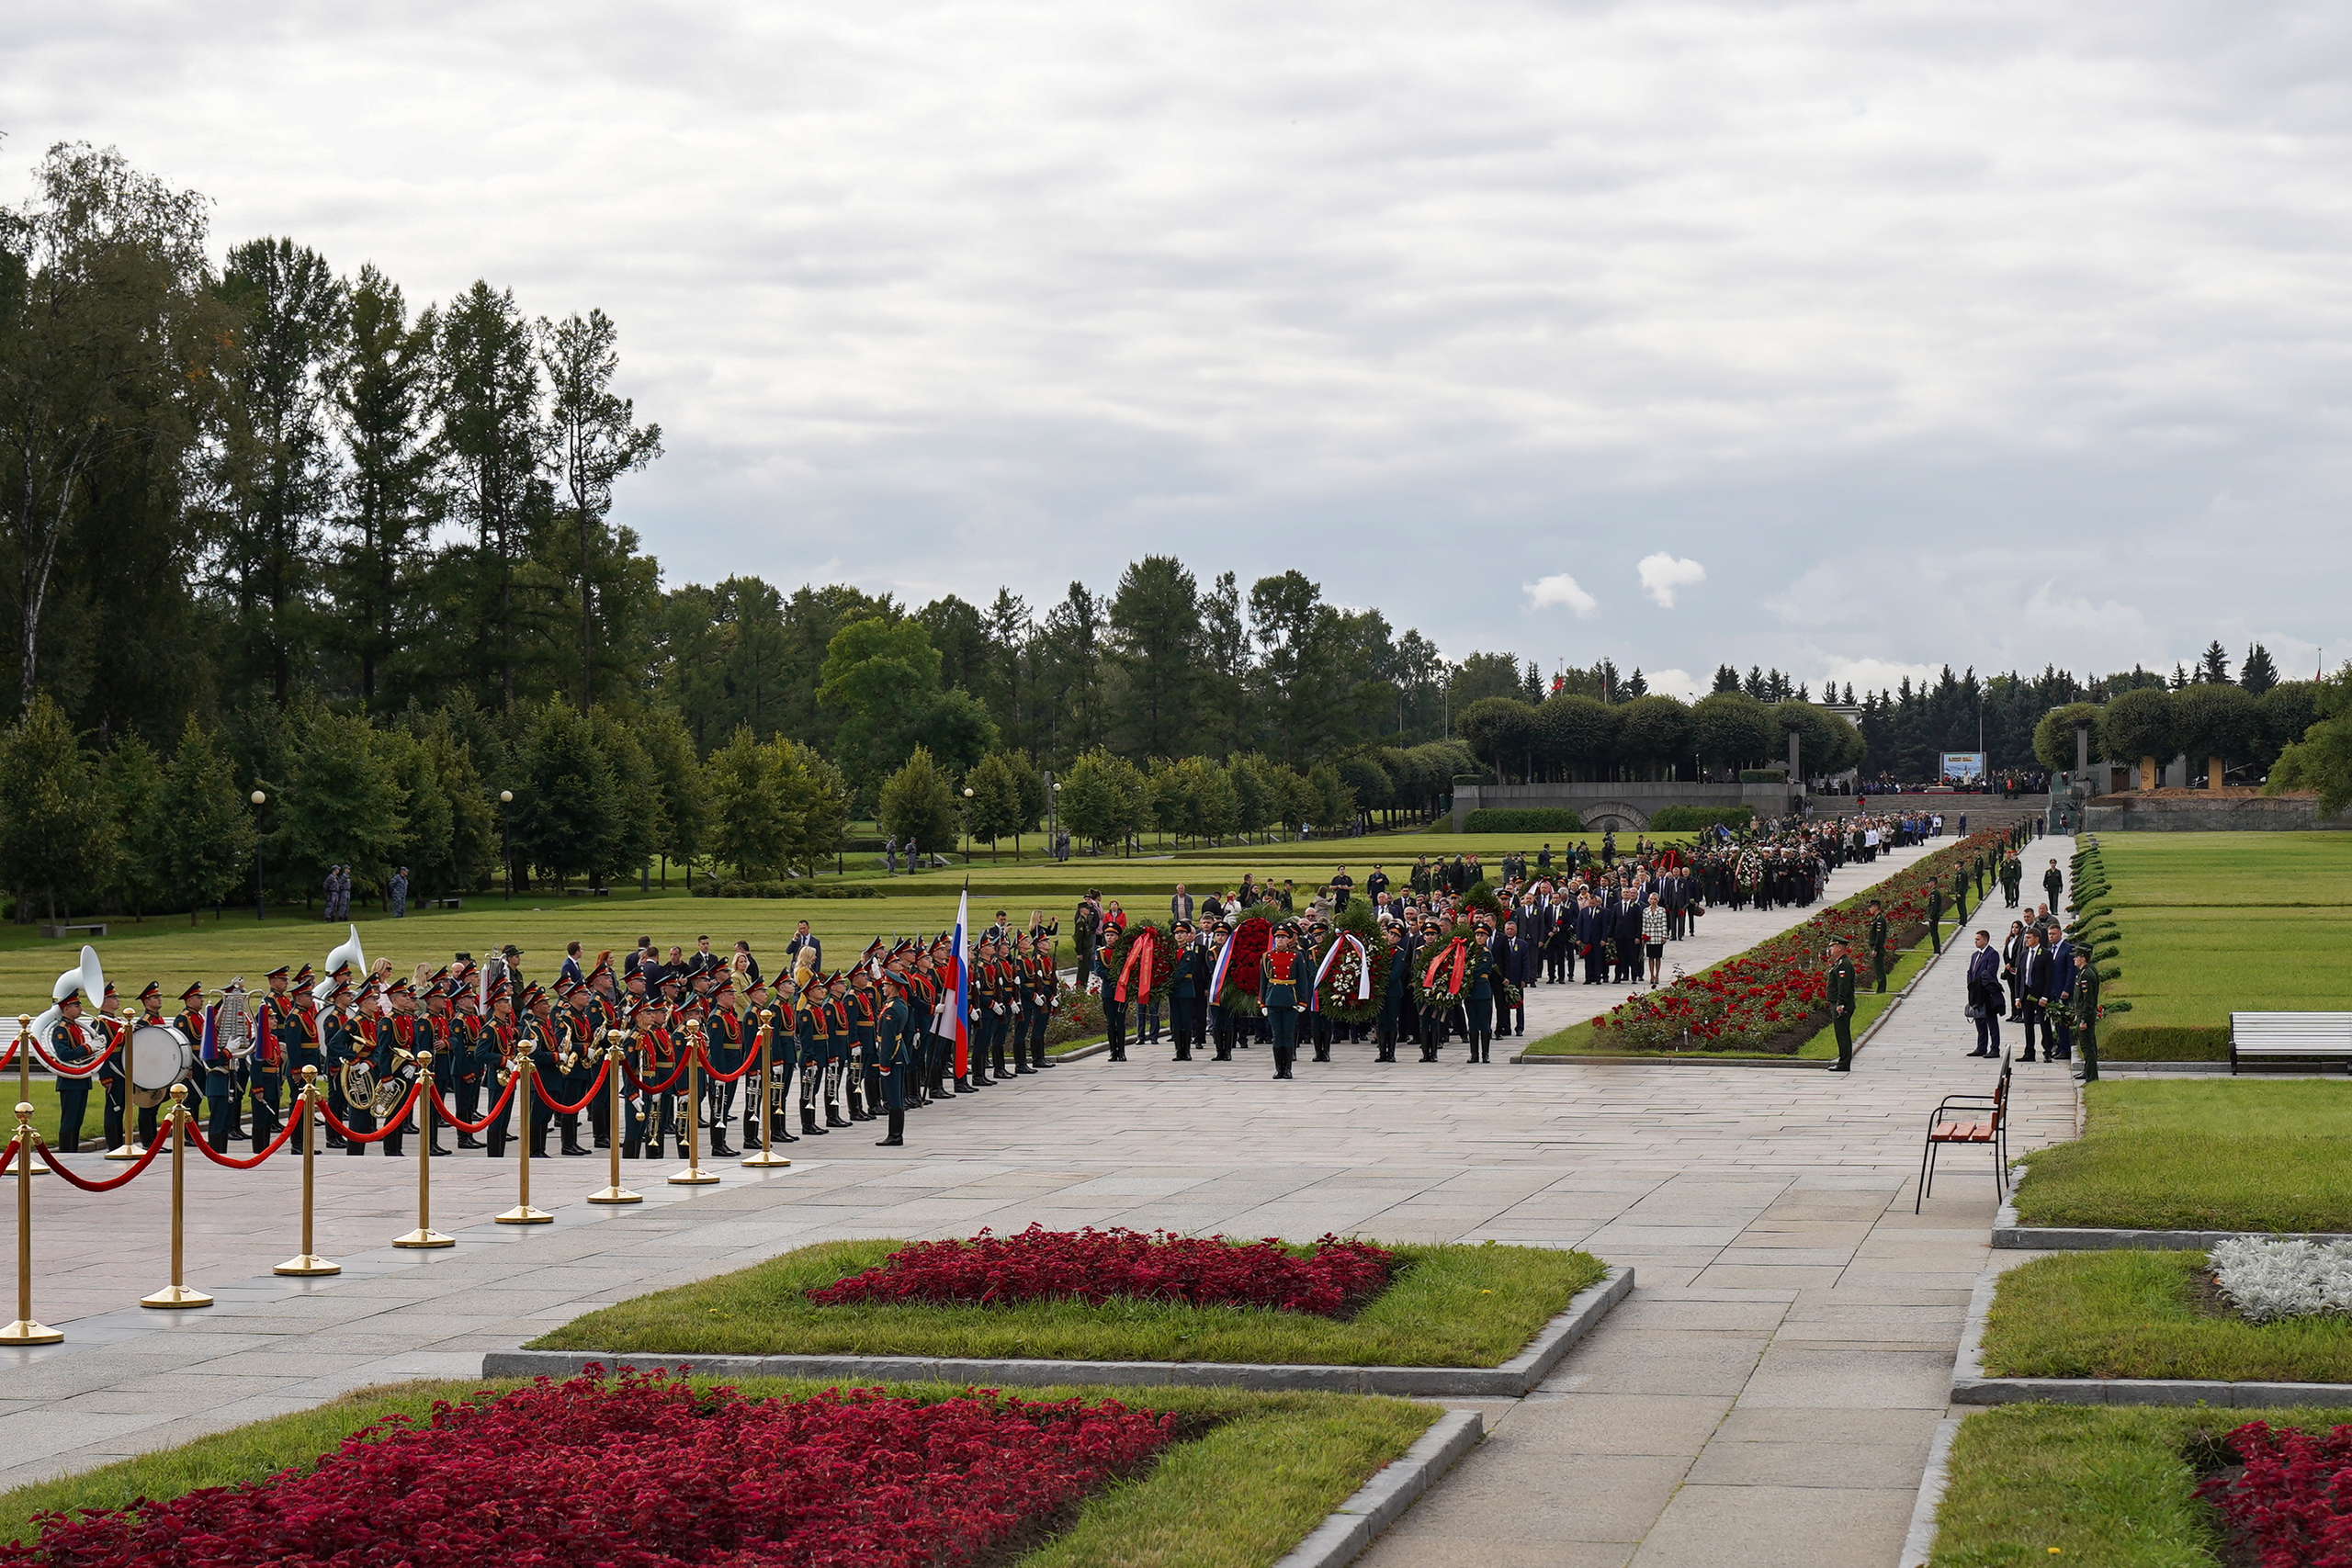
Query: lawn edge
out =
(1380, 1502)
(1971, 1386)
(1919, 1540)
(2011, 1234)
(1511, 1379)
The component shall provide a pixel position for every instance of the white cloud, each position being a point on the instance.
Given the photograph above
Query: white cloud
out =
(1676, 683)
(1560, 590)
(1867, 675)
(1663, 573)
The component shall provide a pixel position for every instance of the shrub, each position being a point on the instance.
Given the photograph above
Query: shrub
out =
(1523, 820)
(1094, 1265)
(2287, 1504)
(1763, 775)
(649, 1473)
(789, 890)
(1697, 818)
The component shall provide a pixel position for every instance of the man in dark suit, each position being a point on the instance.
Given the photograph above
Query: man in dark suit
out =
(800, 939)
(1515, 964)
(1985, 996)
(2037, 985)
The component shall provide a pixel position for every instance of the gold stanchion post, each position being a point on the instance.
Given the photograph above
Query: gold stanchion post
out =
(306, 1105)
(693, 1174)
(176, 1294)
(28, 1329)
(25, 1074)
(765, 1155)
(614, 1191)
(423, 1235)
(128, 1148)
(521, 1213)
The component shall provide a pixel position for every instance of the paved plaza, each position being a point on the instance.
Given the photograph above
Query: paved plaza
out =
(1767, 1394)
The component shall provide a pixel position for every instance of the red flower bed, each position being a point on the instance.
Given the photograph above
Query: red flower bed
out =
(642, 1473)
(1094, 1265)
(2293, 1505)
(1775, 995)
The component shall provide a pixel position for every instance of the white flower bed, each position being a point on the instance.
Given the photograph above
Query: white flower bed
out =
(2268, 1278)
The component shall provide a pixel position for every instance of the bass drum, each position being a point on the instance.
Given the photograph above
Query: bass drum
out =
(160, 1057)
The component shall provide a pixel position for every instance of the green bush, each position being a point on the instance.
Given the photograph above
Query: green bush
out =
(1693, 818)
(1763, 775)
(1523, 820)
(2161, 1043)
(789, 890)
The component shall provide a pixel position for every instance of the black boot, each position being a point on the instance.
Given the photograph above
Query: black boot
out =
(628, 1149)
(897, 1132)
(719, 1149)
(570, 1146)
(809, 1127)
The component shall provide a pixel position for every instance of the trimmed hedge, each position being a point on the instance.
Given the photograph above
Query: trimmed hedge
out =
(1696, 818)
(1523, 820)
(2163, 1042)
(788, 890)
(1763, 775)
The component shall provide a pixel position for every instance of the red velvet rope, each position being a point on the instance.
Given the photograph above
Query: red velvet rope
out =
(8, 1155)
(663, 1086)
(144, 1161)
(442, 1110)
(540, 1088)
(195, 1136)
(750, 1064)
(393, 1123)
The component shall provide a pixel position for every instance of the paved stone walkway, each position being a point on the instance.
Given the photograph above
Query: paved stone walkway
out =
(1766, 1395)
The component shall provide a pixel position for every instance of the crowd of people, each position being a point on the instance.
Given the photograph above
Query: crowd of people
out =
(2036, 976)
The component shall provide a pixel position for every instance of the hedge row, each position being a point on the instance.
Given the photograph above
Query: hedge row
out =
(1697, 818)
(789, 890)
(1523, 820)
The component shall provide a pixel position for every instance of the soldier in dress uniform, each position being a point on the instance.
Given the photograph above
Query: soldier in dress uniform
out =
(815, 1026)
(895, 1060)
(219, 1067)
(113, 1073)
(767, 1107)
(71, 1046)
(395, 1039)
(1877, 938)
(1841, 988)
(1479, 982)
(725, 1040)
(499, 1043)
(544, 1038)
(1186, 980)
(347, 1034)
(865, 1004)
(2082, 1000)
(1280, 981)
(475, 1063)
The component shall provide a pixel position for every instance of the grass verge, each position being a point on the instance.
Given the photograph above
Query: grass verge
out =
(1238, 1497)
(2226, 1155)
(1449, 1306)
(2148, 1315)
(2115, 1486)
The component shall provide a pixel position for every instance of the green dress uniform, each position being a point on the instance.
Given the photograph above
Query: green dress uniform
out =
(1936, 917)
(1878, 951)
(1279, 979)
(1841, 1010)
(2085, 1005)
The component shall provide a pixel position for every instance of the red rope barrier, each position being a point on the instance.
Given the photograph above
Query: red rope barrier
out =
(392, 1124)
(195, 1136)
(162, 1143)
(8, 1155)
(750, 1064)
(664, 1087)
(441, 1107)
(540, 1088)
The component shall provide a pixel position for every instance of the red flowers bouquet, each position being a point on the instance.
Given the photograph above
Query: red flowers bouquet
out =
(1094, 1265)
(645, 1472)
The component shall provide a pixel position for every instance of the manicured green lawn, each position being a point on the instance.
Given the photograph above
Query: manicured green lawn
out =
(2111, 1486)
(2139, 1314)
(2208, 924)
(2212, 1155)
(1450, 1306)
(1240, 1495)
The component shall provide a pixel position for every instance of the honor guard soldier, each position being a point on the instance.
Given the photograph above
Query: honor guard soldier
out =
(190, 1020)
(542, 1038)
(816, 1028)
(895, 1063)
(501, 1045)
(474, 1062)
(579, 1045)
(346, 1035)
(1877, 938)
(1279, 982)
(114, 1073)
(726, 1038)
(219, 1067)
(767, 1106)
(864, 1040)
(1841, 987)
(1187, 979)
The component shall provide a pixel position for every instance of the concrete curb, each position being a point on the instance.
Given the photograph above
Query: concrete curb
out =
(1342, 1537)
(1510, 1380)
(1971, 1386)
(2010, 1236)
(1920, 1541)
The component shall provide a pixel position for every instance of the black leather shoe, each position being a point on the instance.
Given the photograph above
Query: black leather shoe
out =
(719, 1149)
(438, 1152)
(575, 1149)
(891, 1143)
(469, 1141)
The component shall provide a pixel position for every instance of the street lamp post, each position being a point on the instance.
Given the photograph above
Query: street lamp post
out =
(261, 902)
(964, 824)
(506, 838)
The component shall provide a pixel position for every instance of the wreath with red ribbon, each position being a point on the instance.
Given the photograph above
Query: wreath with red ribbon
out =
(1441, 969)
(1336, 996)
(1142, 962)
(1249, 944)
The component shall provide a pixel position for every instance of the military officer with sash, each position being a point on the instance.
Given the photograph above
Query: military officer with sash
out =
(1281, 984)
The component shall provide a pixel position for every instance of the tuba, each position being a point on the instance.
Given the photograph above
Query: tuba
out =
(337, 958)
(85, 977)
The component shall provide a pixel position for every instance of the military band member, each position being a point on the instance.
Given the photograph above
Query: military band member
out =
(726, 1038)
(114, 1077)
(896, 1061)
(499, 1043)
(815, 1027)
(865, 1006)
(71, 1044)
(1186, 981)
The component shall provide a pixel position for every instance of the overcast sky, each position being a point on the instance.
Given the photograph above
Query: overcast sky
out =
(1852, 338)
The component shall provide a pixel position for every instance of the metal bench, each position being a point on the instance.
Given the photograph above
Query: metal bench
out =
(2268, 1036)
(1978, 1120)
(96, 929)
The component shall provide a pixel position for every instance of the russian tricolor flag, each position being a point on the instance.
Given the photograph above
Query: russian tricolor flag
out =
(960, 1031)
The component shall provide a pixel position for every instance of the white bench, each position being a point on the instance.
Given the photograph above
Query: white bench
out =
(2258, 1036)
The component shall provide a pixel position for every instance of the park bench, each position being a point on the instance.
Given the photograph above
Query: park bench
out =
(441, 903)
(2266, 1037)
(1978, 1120)
(54, 932)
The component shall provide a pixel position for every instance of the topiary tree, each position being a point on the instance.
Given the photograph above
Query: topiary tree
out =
(1731, 729)
(2054, 735)
(1576, 734)
(2139, 723)
(1499, 730)
(1653, 732)
(2216, 721)
(2287, 710)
